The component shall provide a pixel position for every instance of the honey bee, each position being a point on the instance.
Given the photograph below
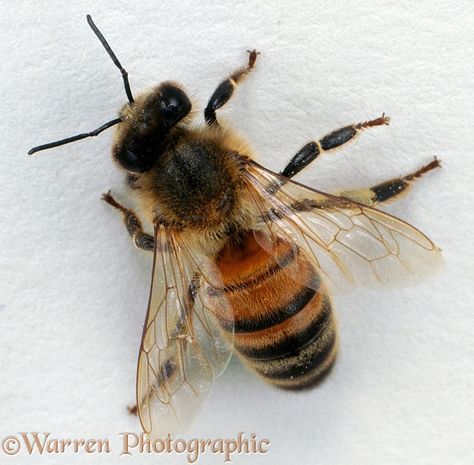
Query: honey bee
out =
(244, 258)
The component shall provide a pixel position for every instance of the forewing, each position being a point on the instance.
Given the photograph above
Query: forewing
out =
(346, 241)
(182, 348)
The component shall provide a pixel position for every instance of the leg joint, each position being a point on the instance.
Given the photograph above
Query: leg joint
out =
(144, 241)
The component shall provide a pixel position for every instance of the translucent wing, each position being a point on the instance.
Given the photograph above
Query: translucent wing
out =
(346, 241)
(182, 348)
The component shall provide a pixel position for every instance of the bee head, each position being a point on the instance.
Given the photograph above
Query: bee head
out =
(147, 126)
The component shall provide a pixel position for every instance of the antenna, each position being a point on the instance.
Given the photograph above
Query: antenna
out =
(105, 126)
(93, 133)
(112, 55)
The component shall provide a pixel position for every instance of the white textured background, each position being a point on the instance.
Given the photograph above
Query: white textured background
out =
(73, 290)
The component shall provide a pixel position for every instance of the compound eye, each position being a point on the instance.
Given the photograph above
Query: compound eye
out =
(136, 161)
(174, 104)
(171, 103)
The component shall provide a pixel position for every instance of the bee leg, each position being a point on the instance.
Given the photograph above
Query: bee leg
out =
(133, 224)
(226, 88)
(330, 141)
(133, 410)
(388, 190)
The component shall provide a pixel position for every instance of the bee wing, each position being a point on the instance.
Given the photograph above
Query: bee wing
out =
(346, 241)
(182, 348)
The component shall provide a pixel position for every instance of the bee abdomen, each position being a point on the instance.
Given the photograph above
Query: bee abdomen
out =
(284, 327)
(311, 357)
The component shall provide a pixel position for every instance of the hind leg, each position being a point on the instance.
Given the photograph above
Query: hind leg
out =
(389, 190)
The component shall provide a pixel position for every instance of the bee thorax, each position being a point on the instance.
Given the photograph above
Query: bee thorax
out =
(196, 184)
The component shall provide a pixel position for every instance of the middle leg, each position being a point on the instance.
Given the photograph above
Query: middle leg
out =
(330, 141)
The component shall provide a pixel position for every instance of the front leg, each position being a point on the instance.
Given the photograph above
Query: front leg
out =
(133, 224)
(226, 88)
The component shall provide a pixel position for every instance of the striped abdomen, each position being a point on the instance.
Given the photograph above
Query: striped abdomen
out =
(284, 328)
